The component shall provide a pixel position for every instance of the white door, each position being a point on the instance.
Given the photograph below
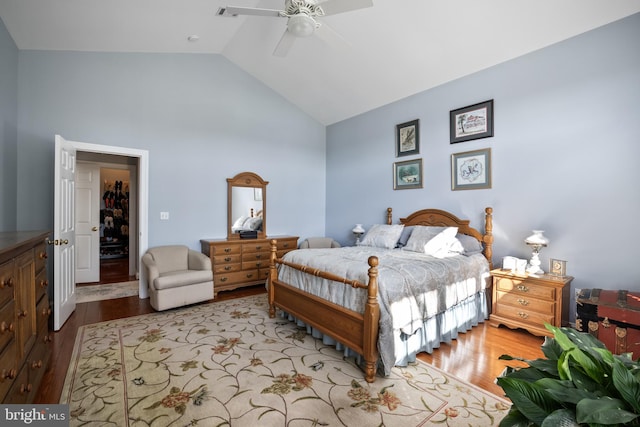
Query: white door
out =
(87, 223)
(64, 283)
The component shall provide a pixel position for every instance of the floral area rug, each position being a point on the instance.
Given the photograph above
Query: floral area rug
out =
(228, 364)
(88, 293)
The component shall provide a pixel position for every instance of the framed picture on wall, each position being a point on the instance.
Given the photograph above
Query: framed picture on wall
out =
(472, 122)
(408, 138)
(407, 174)
(471, 170)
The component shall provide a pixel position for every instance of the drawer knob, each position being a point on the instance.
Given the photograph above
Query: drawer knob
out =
(36, 365)
(249, 275)
(286, 245)
(6, 328)
(522, 288)
(227, 259)
(46, 312)
(42, 255)
(523, 315)
(44, 283)
(25, 388)
(227, 250)
(23, 313)
(8, 374)
(523, 301)
(47, 339)
(6, 282)
(227, 268)
(258, 248)
(223, 279)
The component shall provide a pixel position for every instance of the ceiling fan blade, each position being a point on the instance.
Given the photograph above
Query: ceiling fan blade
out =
(333, 7)
(285, 43)
(233, 10)
(331, 37)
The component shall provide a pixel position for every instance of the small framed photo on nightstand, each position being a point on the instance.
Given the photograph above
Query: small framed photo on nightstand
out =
(557, 267)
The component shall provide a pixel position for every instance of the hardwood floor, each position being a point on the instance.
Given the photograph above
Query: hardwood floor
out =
(473, 357)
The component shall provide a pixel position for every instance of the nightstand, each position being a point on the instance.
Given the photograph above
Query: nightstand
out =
(528, 301)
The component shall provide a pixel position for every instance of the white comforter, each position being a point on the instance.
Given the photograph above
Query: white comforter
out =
(412, 287)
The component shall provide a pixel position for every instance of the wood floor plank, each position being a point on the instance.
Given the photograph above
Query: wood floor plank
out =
(472, 357)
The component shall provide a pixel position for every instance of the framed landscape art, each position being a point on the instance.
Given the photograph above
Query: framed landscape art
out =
(407, 174)
(472, 122)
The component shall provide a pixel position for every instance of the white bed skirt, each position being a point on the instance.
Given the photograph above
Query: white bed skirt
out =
(443, 327)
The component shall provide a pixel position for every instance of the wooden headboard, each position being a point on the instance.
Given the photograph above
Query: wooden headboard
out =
(437, 217)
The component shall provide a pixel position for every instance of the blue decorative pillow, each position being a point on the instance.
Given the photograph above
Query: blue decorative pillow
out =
(404, 237)
(470, 245)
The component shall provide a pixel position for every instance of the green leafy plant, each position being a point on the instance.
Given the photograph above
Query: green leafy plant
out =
(579, 383)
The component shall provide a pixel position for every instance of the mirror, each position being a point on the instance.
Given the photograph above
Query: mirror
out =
(246, 205)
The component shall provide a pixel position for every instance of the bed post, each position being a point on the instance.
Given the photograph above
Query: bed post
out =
(371, 319)
(273, 274)
(389, 217)
(488, 236)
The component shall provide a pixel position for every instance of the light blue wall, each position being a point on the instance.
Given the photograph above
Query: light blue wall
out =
(565, 156)
(8, 133)
(202, 120)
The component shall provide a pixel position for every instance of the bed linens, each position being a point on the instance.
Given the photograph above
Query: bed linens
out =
(413, 287)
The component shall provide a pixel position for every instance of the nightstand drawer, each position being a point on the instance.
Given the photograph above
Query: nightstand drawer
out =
(523, 315)
(524, 287)
(525, 302)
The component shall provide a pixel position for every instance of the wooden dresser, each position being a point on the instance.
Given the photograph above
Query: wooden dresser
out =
(243, 262)
(523, 301)
(25, 346)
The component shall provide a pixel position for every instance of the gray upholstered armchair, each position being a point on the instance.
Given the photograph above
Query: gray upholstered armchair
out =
(177, 276)
(319, 242)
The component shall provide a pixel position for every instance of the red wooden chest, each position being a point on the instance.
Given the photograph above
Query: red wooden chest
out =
(611, 316)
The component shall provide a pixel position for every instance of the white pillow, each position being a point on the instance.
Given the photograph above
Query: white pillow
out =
(383, 236)
(238, 224)
(252, 223)
(434, 241)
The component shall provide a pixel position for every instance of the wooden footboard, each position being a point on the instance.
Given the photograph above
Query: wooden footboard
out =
(355, 330)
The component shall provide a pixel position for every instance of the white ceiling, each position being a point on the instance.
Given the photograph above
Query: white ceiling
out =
(394, 49)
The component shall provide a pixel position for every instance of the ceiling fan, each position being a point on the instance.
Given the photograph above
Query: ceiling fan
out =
(301, 17)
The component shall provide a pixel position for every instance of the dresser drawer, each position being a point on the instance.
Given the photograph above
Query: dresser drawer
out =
(7, 324)
(43, 311)
(227, 259)
(257, 263)
(40, 257)
(523, 315)
(522, 287)
(262, 246)
(237, 277)
(8, 368)
(525, 302)
(226, 268)
(287, 245)
(227, 249)
(41, 284)
(7, 282)
(255, 256)
(21, 389)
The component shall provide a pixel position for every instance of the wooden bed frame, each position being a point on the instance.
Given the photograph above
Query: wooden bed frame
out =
(355, 330)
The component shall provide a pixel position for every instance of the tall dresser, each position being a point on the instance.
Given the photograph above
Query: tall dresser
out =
(243, 262)
(25, 346)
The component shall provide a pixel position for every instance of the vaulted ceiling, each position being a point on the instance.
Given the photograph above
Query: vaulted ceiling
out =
(376, 55)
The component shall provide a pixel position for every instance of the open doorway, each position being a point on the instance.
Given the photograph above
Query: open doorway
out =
(107, 200)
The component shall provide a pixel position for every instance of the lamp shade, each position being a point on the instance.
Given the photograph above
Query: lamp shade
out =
(537, 238)
(358, 229)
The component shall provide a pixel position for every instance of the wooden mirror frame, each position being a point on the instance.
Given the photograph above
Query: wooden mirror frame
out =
(246, 179)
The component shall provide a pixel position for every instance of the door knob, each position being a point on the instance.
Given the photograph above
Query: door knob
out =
(94, 228)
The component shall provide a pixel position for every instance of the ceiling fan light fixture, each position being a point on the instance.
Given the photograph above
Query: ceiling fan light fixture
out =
(301, 25)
